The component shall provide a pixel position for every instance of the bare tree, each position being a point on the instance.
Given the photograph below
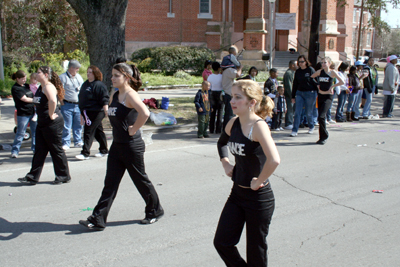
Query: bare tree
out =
(104, 23)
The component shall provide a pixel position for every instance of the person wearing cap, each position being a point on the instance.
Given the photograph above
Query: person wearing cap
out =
(72, 82)
(390, 84)
(361, 76)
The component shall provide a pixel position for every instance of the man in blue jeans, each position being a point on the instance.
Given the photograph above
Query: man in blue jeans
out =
(72, 82)
(390, 84)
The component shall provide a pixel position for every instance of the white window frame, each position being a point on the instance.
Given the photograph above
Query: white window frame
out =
(205, 15)
(355, 15)
(369, 36)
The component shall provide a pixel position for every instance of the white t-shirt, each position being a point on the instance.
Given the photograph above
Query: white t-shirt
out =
(216, 82)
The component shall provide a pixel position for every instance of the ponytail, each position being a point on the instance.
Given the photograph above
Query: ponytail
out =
(18, 75)
(55, 80)
(265, 107)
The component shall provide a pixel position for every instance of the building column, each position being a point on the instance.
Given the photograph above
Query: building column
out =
(254, 36)
(328, 30)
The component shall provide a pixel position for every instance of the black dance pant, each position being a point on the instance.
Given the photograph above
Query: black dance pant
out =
(126, 156)
(49, 139)
(95, 130)
(324, 103)
(217, 111)
(255, 208)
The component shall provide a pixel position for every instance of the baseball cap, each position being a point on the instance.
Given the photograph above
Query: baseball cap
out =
(392, 57)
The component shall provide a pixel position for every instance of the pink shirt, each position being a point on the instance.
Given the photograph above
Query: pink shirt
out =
(206, 73)
(33, 88)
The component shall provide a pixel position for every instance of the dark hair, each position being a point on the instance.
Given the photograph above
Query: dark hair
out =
(352, 69)
(131, 72)
(253, 68)
(232, 49)
(308, 64)
(273, 70)
(120, 60)
(98, 76)
(292, 62)
(215, 66)
(343, 66)
(208, 62)
(318, 66)
(55, 80)
(18, 75)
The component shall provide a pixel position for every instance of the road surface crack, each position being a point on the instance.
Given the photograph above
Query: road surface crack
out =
(327, 198)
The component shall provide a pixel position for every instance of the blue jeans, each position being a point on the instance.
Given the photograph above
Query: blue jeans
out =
(307, 100)
(22, 124)
(351, 101)
(388, 104)
(72, 120)
(356, 106)
(367, 106)
(342, 97)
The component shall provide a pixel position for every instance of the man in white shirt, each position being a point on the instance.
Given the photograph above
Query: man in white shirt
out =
(228, 77)
(217, 104)
(72, 82)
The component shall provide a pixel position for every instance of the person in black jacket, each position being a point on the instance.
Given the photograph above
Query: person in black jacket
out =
(93, 104)
(271, 84)
(203, 107)
(304, 94)
(23, 98)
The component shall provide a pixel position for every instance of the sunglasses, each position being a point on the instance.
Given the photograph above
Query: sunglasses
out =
(301, 61)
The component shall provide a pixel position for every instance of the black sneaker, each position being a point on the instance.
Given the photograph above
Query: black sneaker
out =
(90, 225)
(58, 182)
(25, 180)
(151, 220)
(321, 142)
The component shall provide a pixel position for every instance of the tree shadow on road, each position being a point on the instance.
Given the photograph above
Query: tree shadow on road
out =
(11, 230)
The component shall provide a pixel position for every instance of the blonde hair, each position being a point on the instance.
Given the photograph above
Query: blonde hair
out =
(251, 89)
(33, 76)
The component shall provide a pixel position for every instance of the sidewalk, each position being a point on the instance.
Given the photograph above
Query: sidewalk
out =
(7, 123)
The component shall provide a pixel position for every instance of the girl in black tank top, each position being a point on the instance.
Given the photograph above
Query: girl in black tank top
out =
(326, 86)
(49, 129)
(251, 201)
(127, 114)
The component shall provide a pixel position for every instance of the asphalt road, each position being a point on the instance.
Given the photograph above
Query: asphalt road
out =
(326, 213)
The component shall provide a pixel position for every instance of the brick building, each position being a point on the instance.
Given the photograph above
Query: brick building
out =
(219, 23)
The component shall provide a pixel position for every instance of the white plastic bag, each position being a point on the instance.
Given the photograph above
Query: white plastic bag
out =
(162, 118)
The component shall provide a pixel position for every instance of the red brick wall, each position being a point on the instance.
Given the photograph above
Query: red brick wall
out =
(147, 21)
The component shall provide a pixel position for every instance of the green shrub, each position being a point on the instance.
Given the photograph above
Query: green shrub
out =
(145, 65)
(182, 75)
(5, 86)
(34, 66)
(170, 59)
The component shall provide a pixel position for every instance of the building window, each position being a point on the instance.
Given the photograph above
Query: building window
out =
(354, 16)
(205, 9)
(170, 14)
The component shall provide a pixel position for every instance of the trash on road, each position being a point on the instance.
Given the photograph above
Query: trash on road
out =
(162, 118)
(362, 145)
(159, 184)
(381, 143)
(88, 209)
(377, 191)
(10, 194)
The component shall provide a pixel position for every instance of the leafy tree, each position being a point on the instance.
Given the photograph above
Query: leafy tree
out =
(104, 23)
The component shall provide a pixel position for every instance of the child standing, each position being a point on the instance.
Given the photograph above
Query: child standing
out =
(279, 109)
(33, 86)
(203, 107)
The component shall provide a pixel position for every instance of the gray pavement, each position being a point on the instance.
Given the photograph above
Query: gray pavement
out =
(326, 213)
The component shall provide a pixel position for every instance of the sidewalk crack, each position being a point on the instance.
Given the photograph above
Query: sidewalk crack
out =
(327, 198)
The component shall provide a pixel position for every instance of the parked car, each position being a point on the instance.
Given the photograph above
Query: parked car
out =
(381, 63)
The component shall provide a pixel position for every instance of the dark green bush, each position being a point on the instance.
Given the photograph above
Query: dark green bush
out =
(145, 65)
(171, 59)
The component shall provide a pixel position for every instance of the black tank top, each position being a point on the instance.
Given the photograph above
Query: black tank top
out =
(42, 107)
(121, 118)
(249, 156)
(325, 81)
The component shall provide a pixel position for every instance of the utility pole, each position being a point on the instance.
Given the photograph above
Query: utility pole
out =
(1, 58)
(313, 48)
(359, 29)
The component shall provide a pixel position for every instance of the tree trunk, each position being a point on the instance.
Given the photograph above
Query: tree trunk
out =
(104, 23)
(313, 49)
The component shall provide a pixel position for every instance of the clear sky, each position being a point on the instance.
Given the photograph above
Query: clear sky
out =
(392, 17)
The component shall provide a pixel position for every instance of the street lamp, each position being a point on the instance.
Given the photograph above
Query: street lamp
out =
(271, 29)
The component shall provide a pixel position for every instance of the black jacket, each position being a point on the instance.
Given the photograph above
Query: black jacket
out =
(303, 81)
(93, 96)
(269, 87)
(198, 101)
